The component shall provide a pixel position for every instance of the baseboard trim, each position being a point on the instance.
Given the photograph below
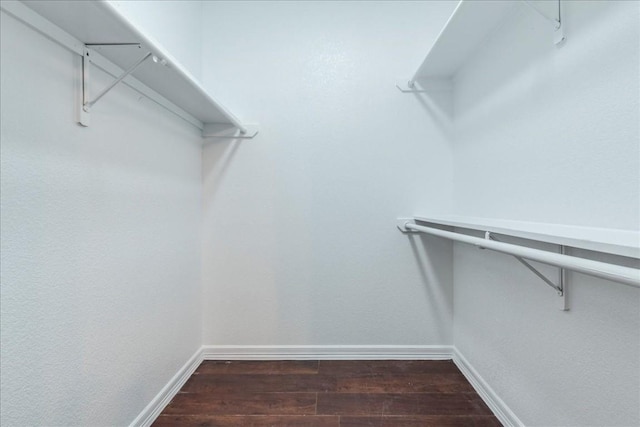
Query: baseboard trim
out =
(168, 392)
(493, 401)
(326, 352)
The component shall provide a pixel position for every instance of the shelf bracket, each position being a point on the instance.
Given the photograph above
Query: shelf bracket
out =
(560, 288)
(419, 85)
(229, 131)
(402, 225)
(87, 102)
(558, 28)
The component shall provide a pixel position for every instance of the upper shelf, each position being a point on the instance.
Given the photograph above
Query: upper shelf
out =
(468, 27)
(100, 22)
(606, 240)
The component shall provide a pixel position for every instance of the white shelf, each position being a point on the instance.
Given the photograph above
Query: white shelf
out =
(606, 240)
(468, 26)
(76, 23)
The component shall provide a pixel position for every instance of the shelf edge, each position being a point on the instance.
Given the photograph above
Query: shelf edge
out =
(113, 10)
(580, 242)
(498, 10)
(51, 31)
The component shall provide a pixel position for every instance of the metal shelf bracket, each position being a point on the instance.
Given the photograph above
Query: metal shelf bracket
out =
(558, 28)
(430, 84)
(87, 102)
(560, 288)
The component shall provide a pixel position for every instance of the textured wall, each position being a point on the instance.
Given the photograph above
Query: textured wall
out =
(175, 25)
(550, 134)
(299, 239)
(547, 133)
(100, 243)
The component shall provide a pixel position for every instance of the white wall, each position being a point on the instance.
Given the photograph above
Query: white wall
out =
(176, 25)
(299, 241)
(100, 243)
(550, 134)
(547, 133)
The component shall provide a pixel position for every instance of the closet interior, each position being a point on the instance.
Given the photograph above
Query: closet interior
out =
(380, 213)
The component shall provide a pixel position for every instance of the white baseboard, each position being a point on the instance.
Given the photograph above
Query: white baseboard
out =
(326, 352)
(168, 392)
(497, 405)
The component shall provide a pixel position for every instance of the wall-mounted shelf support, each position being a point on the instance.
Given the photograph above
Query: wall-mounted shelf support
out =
(87, 103)
(226, 130)
(558, 29)
(617, 273)
(431, 84)
(80, 26)
(559, 288)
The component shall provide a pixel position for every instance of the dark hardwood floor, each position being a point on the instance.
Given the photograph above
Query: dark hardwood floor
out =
(327, 394)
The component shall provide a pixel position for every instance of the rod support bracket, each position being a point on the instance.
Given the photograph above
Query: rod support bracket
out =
(560, 288)
(401, 223)
(487, 236)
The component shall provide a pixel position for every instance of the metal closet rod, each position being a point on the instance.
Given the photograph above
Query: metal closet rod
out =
(625, 275)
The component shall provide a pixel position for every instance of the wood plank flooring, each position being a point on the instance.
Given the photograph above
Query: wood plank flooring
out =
(327, 394)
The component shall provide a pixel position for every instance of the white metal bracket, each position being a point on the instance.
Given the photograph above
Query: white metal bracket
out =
(86, 101)
(402, 225)
(83, 115)
(560, 288)
(558, 28)
(430, 84)
(228, 130)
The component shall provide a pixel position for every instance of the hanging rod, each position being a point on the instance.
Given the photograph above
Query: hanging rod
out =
(625, 275)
